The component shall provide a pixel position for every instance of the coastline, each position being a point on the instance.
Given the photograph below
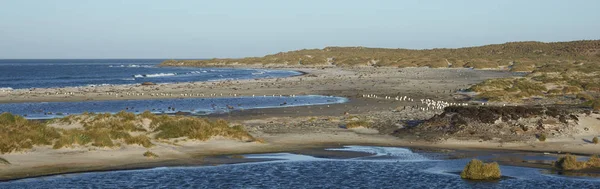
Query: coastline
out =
(283, 129)
(309, 78)
(61, 166)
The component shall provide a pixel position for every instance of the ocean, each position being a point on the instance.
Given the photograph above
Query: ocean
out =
(24, 74)
(385, 167)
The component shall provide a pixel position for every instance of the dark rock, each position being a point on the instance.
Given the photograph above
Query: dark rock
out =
(182, 113)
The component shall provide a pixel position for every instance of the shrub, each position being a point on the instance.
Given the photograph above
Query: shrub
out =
(554, 92)
(200, 129)
(142, 140)
(4, 161)
(101, 138)
(7, 118)
(18, 133)
(106, 130)
(119, 134)
(542, 137)
(595, 140)
(150, 154)
(147, 114)
(596, 104)
(260, 140)
(584, 97)
(126, 116)
(72, 137)
(570, 163)
(67, 119)
(477, 170)
(571, 90)
(356, 124)
(594, 161)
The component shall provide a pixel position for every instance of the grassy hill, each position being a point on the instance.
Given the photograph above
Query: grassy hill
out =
(558, 69)
(514, 56)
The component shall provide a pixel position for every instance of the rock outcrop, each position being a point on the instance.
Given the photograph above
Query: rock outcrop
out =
(509, 123)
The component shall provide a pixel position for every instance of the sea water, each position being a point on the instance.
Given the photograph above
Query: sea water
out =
(386, 167)
(24, 74)
(194, 106)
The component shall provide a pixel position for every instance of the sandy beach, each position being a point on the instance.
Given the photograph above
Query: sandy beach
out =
(285, 129)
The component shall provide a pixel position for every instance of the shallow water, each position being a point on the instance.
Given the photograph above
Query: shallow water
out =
(387, 167)
(196, 106)
(19, 74)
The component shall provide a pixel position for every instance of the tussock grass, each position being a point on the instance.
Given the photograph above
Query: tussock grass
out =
(142, 140)
(260, 140)
(594, 161)
(150, 154)
(584, 96)
(511, 89)
(106, 130)
(19, 133)
(477, 170)
(125, 116)
(596, 104)
(72, 137)
(542, 137)
(199, 129)
(595, 140)
(570, 163)
(147, 114)
(357, 124)
(4, 161)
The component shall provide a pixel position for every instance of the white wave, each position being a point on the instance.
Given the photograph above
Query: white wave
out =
(398, 153)
(6, 89)
(258, 73)
(130, 66)
(283, 157)
(98, 85)
(155, 75)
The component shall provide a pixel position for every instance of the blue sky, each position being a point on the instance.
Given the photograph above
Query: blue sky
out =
(228, 28)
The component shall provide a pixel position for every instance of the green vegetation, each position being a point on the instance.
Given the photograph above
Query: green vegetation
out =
(542, 137)
(570, 163)
(200, 129)
(595, 104)
(477, 170)
(595, 140)
(106, 130)
(556, 69)
(142, 140)
(4, 161)
(515, 56)
(150, 154)
(357, 124)
(508, 89)
(580, 81)
(19, 133)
